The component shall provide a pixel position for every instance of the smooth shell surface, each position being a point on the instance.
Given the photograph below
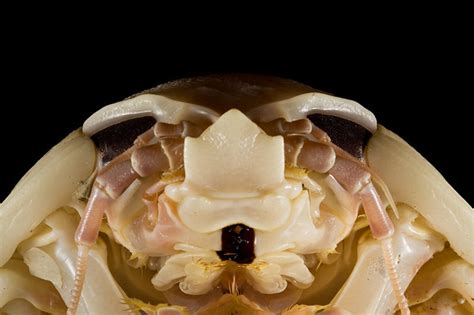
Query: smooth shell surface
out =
(414, 181)
(301, 106)
(206, 98)
(47, 186)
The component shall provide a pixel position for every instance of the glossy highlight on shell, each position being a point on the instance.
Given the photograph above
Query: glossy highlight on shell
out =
(235, 194)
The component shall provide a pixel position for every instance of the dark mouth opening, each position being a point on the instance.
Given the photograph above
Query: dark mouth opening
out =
(238, 244)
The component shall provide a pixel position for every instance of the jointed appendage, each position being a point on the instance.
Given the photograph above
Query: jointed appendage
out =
(161, 149)
(157, 150)
(382, 230)
(316, 153)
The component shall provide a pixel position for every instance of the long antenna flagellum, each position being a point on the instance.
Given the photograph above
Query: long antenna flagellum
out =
(79, 277)
(393, 276)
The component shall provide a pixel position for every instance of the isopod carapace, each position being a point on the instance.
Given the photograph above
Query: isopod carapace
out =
(235, 194)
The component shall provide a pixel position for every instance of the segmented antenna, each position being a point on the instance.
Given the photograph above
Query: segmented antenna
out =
(393, 276)
(81, 267)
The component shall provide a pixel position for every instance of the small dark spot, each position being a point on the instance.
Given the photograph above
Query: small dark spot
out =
(237, 244)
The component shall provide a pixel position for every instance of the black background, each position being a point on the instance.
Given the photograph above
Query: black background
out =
(414, 84)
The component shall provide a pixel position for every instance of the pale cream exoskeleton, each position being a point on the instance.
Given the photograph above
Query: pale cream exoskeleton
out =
(242, 195)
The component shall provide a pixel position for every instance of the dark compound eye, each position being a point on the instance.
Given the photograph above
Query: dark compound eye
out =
(348, 135)
(115, 139)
